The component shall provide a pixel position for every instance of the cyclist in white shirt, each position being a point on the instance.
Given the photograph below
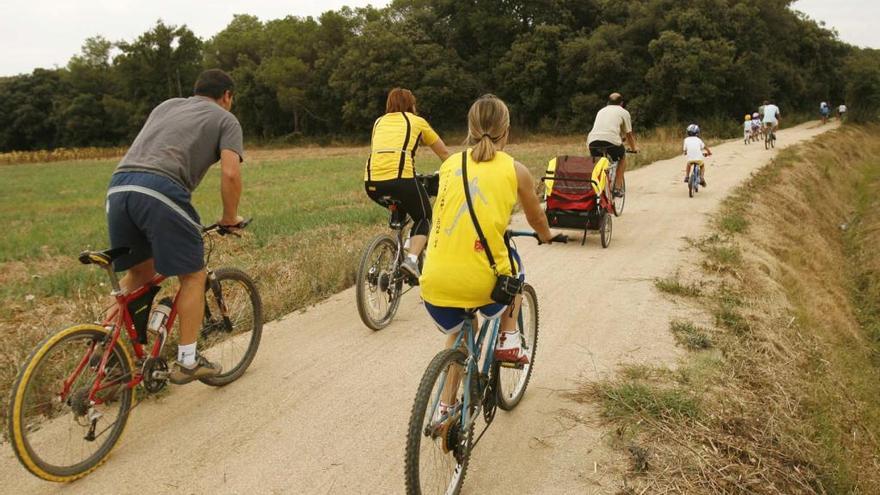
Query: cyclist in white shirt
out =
(695, 150)
(841, 111)
(771, 117)
(612, 125)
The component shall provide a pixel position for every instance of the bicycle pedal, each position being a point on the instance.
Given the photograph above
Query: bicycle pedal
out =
(160, 375)
(518, 366)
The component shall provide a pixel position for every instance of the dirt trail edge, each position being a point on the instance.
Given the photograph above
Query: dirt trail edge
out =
(323, 409)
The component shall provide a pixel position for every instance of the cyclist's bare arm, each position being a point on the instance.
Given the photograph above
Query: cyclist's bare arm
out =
(439, 148)
(230, 186)
(531, 206)
(631, 141)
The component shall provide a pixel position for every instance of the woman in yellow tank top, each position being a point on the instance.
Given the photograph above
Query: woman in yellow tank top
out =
(457, 275)
(390, 169)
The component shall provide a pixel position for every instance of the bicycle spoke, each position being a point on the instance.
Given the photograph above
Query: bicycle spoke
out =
(55, 430)
(438, 445)
(380, 283)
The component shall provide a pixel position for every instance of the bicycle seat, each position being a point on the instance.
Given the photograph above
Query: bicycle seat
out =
(388, 201)
(102, 258)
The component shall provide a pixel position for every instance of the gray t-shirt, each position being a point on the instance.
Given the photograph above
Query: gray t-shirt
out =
(182, 138)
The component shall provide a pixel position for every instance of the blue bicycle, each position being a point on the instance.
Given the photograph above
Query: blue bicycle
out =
(694, 180)
(462, 384)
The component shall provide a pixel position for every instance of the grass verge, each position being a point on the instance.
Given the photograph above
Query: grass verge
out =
(785, 393)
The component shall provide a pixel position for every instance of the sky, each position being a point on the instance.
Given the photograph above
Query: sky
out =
(46, 33)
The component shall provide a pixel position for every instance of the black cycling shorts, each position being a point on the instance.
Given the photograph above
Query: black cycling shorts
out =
(413, 200)
(615, 152)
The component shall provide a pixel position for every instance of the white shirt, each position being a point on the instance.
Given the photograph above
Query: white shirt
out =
(747, 125)
(771, 111)
(611, 124)
(841, 108)
(693, 148)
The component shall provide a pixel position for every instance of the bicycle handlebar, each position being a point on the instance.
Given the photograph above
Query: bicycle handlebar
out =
(509, 234)
(226, 229)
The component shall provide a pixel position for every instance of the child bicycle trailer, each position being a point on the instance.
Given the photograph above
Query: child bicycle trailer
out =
(578, 196)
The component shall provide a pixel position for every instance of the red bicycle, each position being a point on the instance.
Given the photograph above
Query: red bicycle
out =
(72, 397)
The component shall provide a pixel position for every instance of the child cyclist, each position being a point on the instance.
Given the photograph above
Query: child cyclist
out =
(695, 150)
(747, 128)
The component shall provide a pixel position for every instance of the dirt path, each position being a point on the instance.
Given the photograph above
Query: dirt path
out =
(324, 407)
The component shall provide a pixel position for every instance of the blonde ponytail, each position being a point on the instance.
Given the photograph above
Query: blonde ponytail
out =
(488, 123)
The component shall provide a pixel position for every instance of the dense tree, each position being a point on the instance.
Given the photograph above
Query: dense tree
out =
(863, 86)
(553, 61)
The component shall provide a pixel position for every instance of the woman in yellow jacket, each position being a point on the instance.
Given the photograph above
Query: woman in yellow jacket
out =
(457, 275)
(390, 170)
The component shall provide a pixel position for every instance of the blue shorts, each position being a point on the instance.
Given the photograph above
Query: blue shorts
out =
(450, 320)
(152, 215)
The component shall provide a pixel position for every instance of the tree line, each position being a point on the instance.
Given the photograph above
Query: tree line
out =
(553, 61)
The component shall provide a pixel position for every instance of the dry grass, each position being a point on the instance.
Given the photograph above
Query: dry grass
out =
(60, 154)
(788, 401)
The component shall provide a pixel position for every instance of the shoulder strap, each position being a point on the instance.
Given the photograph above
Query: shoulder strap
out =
(403, 149)
(470, 204)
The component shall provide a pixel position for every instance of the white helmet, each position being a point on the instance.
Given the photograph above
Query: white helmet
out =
(693, 130)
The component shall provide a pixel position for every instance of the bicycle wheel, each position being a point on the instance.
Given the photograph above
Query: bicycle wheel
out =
(619, 201)
(772, 139)
(438, 447)
(378, 284)
(231, 338)
(605, 230)
(55, 432)
(767, 139)
(692, 183)
(512, 381)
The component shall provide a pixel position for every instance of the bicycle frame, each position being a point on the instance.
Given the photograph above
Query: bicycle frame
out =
(122, 319)
(473, 340)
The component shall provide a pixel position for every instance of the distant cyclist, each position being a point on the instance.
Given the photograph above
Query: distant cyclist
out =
(149, 205)
(612, 125)
(756, 125)
(457, 275)
(824, 111)
(695, 150)
(390, 169)
(771, 117)
(747, 128)
(841, 111)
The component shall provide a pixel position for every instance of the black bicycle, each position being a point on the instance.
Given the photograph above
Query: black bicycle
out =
(770, 140)
(380, 281)
(619, 198)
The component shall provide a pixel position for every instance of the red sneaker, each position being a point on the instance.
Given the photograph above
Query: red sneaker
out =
(513, 355)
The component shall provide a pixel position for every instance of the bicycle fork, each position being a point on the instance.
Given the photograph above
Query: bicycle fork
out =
(221, 303)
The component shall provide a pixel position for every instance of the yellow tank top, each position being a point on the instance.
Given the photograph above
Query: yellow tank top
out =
(456, 271)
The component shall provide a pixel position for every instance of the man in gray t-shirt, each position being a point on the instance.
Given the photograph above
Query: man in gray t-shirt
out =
(149, 207)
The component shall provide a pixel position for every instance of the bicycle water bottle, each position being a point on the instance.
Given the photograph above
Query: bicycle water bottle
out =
(159, 317)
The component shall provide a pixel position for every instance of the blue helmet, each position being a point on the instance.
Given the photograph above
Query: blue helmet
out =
(693, 130)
